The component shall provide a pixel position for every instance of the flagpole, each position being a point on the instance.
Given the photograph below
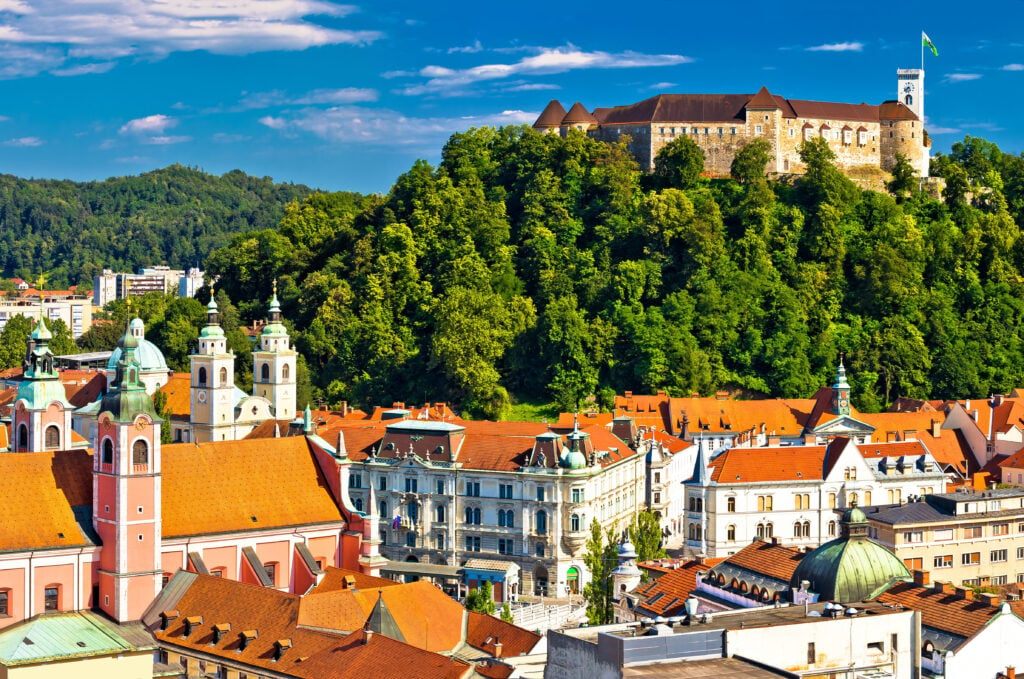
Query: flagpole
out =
(922, 52)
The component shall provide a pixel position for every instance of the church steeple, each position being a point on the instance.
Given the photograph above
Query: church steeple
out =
(42, 413)
(841, 391)
(213, 381)
(273, 367)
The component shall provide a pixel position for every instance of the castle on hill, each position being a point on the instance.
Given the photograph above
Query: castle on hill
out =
(861, 135)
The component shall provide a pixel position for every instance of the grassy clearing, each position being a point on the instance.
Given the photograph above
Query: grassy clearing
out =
(530, 411)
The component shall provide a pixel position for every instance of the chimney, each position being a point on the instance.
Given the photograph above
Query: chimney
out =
(989, 598)
(936, 429)
(775, 540)
(721, 396)
(1011, 672)
(628, 394)
(964, 593)
(246, 637)
(910, 435)
(943, 587)
(497, 648)
(367, 635)
(974, 414)
(997, 399)
(348, 582)
(891, 436)
(922, 578)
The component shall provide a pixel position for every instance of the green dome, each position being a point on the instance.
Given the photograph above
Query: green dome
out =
(850, 568)
(149, 356)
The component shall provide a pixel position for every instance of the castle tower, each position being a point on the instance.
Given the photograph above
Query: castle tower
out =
(273, 368)
(213, 382)
(841, 391)
(126, 507)
(42, 413)
(910, 90)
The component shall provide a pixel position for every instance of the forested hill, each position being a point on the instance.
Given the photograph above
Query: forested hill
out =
(532, 266)
(69, 231)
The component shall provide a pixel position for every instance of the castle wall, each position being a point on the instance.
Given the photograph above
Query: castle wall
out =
(903, 136)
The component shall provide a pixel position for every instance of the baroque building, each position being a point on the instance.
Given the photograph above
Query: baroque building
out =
(861, 135)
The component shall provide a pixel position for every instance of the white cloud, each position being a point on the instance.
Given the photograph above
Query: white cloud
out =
(1014, 67)
(273, 98)
(82, 69)
(531, 87)
(838, 47)
(229, 138)
(961, 77)
(4, 119)
(467, 49)
(50, 33)
(154, 124)
(384, 127)
(943, 130)
(441, 79)
(163, 140)
(24, 141)
(662, 86)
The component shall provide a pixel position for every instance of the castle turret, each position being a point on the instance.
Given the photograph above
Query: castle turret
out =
(126, 491)
(578, 118)
(42, 413)
(626, 576)
(550, 118)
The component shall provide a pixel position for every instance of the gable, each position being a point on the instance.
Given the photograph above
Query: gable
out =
(844, 424)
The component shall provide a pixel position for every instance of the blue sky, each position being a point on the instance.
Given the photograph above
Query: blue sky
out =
(346, 96)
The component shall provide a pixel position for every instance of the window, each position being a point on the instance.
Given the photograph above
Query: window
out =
(414, 512)
(847, 136)
(832, 528)
(730, 504)
(223, 377)
(942, 534)
(758, 129)
(730, 533)
(358, 502)
(657, 498)
(539, 551)
(439, 514)
(895, 497)
(218, 572)
(812, 657)
(970, 558)
(473, 515)
(862, 137)
(52, 437)
(765, 531)
(943, 561)
(355, 481)
(1001, 529)
(506, 518)
(22, 436)
(850, 473)
(577, 495)
(542, 523)
(913, 536)
(971, 532)
(574, 522)
(998, 580)
(504, 546)
(802, 529)
(5, 603)
(439, 542)
(271, 569)
(657, 477)
(831, 500)
(472, 543)
(202, 377)
(997, 555)
(51, 598)
(505, 491)
(914, 564)
(473, 488)
(383, 508)
(867, 497)
(410, 539)
(286, 371)
(265, 372)
(411, 485)
(540, 493)
(808, 133)
(439, 487)
(801, 501)
(108, 452)
(876, 647)
(764, 503)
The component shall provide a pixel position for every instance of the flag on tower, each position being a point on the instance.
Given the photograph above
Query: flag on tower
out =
(927, 42)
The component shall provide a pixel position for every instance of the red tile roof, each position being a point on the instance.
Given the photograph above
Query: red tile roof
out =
(178, 390)
(941, 611)
(754, 465)
(767, 558)
(674, 587)
(484, 631)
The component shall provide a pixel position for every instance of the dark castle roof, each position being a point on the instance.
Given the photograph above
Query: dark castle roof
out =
(551, 116)
(578, 114)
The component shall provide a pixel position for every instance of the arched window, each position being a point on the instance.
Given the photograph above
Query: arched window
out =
(574, 522)
(108, 451)
(202, 377)
(265, 372)
(469, 515)
(909, 100)
(286, 371)
(384, 508)
(359, 504)
(476, 516)
(542, 523)
(769, 531)
(807, 529)
(52, 437)
(798, 531)
(730, 533)
(439, 514)
(140, 452)
(832, 528)
(223, 377)
(22, 437)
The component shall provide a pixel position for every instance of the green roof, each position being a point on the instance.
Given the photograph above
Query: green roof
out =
(60, 636)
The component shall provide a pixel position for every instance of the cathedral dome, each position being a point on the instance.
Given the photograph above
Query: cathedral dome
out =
(850, 568)
(150, 358)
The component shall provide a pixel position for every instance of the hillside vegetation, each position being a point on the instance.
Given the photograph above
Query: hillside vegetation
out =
(535, 267)
(68, 231)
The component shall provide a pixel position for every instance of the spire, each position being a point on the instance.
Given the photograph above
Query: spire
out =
(127, 396)
(700, 468)
(841, 391)
(381, 621)
(274, 314)
(840, 381)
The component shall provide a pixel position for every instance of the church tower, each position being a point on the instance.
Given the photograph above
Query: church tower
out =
(910, 90)
(273, 367)
(126, 491)
(213, 382)
(841, 391)
(42, 413)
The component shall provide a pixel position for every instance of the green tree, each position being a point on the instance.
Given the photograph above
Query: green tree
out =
(679, 163)
(13, 341)
(904, 179)
(481, 600)
(163, 411)
(645, 534)
(750, 162)
(600, 559)
(506, 612)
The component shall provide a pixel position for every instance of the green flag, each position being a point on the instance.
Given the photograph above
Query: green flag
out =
(927, 42)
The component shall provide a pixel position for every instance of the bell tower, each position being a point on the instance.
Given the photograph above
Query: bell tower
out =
(213, 382)
(841, 391)
(273, 369)
(126, 507)
(42, 413)
(910, 90)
